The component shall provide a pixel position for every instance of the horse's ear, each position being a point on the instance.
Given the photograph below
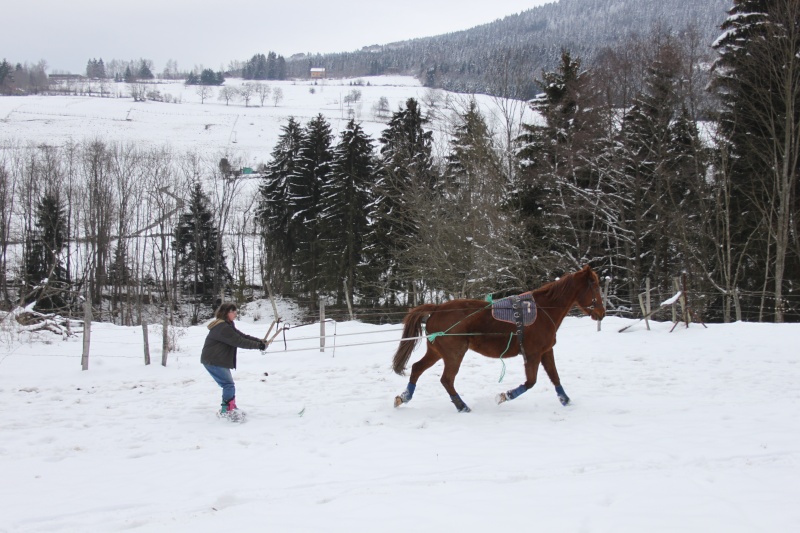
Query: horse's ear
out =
(586, 268)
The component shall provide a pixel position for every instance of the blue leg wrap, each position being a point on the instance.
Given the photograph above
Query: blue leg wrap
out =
(459, 403)
(513, 393)
(407, 394)
(562, 396)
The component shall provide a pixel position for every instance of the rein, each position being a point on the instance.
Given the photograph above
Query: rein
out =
(433, 336)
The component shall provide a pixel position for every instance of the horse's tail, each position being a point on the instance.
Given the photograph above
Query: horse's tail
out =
(412, 329)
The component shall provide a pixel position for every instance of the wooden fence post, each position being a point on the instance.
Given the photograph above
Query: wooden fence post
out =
(676, 287)
(165, 341)
(684, 301)
(87, 332)
(645, 308)
(605, 299)
(146, 343)
(347, 299)
(277, 317)
(321, 325)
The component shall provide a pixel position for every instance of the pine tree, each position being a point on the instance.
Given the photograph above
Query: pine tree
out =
(280, 68)
(271, 65)
(472, 233)
(644, 152)
(202, 263)
(345, 200)
(144, 72)
(758, 81)
(687, 190)
(255, 68)
(305, 191)
(406, 173)
(6, 76)
(45, 277)
(209, 77)
(274, 209)
(558, 179)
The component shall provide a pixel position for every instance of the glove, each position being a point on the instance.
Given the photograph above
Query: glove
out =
(262, 346)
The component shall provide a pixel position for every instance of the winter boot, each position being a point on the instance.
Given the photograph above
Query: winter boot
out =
(230, 411)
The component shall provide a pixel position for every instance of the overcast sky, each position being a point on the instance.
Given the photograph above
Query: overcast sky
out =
(67, 33)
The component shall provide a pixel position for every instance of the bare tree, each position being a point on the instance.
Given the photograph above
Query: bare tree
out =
(381, 108)
(277, 96)
(227, 94)
(7, 186)
(774, 105)
(508, 87)
(204, 91)
(762, 69)
(99, 202)
(263, 91)
(138, 91)
(126, 171)
(246, 92)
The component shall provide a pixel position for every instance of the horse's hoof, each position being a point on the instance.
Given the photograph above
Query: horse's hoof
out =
(500, 398)
(562, 396)
(465, 409)
(403, 397)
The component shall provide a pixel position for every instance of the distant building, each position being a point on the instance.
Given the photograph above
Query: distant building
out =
(54, 78)
(317, 73)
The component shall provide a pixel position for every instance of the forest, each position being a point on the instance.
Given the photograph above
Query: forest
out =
(663, 159)
(499, 57)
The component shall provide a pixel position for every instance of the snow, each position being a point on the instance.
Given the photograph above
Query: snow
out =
(695, 430)
(212, 127)
(672, 300)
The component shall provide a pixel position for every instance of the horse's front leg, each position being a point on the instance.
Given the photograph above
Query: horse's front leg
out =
(549, 364)
(531, 370)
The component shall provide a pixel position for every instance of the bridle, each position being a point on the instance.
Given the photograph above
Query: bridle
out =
(590, 286)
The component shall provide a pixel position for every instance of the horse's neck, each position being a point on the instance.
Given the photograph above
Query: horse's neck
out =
(556, 312)
(557, 307)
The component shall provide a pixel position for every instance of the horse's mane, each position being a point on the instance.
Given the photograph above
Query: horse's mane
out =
(558, 289)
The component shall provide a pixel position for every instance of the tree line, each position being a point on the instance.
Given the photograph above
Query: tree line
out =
(484, 59)
(623, 169)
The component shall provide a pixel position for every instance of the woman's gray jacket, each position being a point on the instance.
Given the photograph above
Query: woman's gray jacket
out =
(221, 343)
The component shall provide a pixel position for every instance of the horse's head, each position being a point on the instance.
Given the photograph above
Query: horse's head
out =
(590, 299)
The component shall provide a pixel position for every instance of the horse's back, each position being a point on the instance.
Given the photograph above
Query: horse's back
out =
(459, 313)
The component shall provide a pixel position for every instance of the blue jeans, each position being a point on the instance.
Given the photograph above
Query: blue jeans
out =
(224, 379)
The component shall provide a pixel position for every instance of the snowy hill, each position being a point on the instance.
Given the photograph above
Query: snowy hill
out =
(696, 430)
(214, 127)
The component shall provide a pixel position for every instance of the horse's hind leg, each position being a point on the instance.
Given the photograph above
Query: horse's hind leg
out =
(549, 364)
(427, 361)
(451, 367)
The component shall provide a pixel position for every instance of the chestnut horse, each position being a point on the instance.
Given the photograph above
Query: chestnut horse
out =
(460, 325)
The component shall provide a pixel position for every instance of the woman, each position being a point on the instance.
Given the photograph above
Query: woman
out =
(219, 356)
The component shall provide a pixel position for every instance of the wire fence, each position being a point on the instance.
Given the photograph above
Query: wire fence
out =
(706, 307)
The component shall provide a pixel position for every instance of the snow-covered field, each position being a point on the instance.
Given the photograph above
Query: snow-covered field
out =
(695, 431)
(250, 133)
